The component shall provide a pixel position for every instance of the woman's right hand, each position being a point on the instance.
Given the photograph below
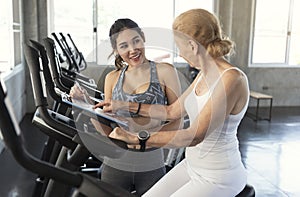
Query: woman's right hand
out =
(112, 105)
(78, 93)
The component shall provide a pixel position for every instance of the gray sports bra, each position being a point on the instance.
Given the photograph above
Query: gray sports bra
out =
(153, 95)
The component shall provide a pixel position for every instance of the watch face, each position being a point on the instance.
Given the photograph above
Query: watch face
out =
(143, 134)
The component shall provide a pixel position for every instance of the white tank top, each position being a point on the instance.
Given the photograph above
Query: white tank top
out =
(219, 150)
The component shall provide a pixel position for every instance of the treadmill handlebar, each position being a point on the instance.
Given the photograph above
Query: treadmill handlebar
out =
(14, 141)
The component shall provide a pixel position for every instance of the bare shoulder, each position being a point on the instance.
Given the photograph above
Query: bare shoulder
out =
(234, 79)
(233, 73)
(110, 80)
(166, 71)
(113, 75)
(237, 88)
(164, 67)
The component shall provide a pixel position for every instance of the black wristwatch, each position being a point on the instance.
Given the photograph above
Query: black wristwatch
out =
(143, 136)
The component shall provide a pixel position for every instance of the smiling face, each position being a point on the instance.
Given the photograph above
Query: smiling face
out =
(130, 46)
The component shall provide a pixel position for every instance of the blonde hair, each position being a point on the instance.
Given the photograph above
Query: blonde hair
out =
(205, 28)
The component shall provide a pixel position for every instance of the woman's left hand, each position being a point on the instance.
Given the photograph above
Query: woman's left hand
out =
(120, 134)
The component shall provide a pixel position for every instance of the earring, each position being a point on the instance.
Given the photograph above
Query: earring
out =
(117, 56)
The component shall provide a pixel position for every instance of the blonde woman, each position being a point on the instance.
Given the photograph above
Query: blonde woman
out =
(216, 103)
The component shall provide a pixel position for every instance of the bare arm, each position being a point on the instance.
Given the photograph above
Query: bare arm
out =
(168, 76)
(170, 112)
(108, 87)
(223, 101)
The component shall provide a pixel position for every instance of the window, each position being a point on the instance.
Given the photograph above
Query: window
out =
(154, 17)
(10, 37)
(276, 34)
(181, 6)
(76, 19)
(5, 35)
(89, 21)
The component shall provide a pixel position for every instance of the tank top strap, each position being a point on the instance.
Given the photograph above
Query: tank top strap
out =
(154, 76)
(231, 68)
(216, 82)
(117, 91)
(199, 78)
(240, 71)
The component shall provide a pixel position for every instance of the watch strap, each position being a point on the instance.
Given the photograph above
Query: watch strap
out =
(143, 145)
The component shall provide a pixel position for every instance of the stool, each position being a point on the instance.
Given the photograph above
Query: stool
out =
(248, 191)
(260, 96)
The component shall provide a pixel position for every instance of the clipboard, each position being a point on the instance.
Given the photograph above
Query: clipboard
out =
(110, 119)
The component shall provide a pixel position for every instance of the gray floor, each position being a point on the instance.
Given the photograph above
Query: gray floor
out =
(1, 146)
(270, 152)
(15, 181)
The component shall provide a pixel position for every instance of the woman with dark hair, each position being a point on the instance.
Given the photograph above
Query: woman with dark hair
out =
(136, 79)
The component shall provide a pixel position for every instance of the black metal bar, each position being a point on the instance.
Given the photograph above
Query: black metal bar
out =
(13, 139)
(270, 112)
(257, 109)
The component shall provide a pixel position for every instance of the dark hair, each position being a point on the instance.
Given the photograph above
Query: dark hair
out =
(118, 26)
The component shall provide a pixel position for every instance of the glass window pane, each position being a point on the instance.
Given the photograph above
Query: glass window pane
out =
(294, 58)
(77, 20)
(145, 14)
(151, 16)
(270, 31)
(269, 49)
(5, 35)
(182, 6)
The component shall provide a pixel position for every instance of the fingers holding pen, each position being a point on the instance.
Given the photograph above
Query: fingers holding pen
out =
(78, 93)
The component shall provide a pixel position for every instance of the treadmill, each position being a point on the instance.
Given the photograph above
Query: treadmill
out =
(83, 185)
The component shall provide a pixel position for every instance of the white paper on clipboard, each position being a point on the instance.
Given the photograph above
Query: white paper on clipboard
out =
(111, 117)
